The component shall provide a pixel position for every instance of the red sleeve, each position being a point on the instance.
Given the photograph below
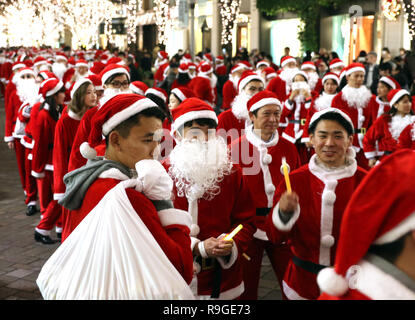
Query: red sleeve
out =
(374, 134)
(42, 135)
(174, 240)
(229, 94)
(11, 115)
(61, 151)
(405, 139)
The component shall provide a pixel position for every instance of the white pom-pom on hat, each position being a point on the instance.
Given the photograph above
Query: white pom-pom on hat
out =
(332, 283)
(87, 152)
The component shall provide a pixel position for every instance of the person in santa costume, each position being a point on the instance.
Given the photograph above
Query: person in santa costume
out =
(161, 63)
(232, 122)
(380, 104)
(229, 90)
(354, 100)
(83, 97)
(314, 81)
(294, 115)
(115, 79)
(212, 189)
(43, 131)
(268, 74)
(138, 87)
(259, 152)
(383, 136)
(330, 86)
(131, 125)
(281, 85)
(203, 84)
(261, 65)
(336, 66)
(183, 77)
(60, 66)
(310, 218)
(178, 95)
(26, 92)
(379, 263)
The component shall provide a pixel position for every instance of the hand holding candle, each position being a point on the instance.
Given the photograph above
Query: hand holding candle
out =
(285, 170)
(233, 233)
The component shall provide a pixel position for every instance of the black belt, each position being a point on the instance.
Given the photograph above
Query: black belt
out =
(308, 265)
(262, 212)
(302, 121)
(386, 153)
(211, 263)
(361, 130)
(50, 146)
(29, 136)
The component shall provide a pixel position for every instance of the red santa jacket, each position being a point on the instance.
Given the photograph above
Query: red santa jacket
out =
(12, 111)
(383, 135)
(158, 75)
(67, 76)
(361, 118)
(261, 163)
(378, 107)
(293, 117)
(231, 207)
(43, 134)
(229, 127)
(173, 238)
(28, 140)
(407, 138)
(202, 89)
(314, 228)
(278, 86)
(65, 131)
(228, 93)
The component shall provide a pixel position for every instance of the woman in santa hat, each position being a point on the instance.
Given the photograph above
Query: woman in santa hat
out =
(43, 132)
(83, 97)
(380, 104)
(383, 136)
(183, 77)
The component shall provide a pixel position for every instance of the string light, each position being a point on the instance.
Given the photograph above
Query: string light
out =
(410, 16)
(229, 10)
(391, 9)
(161, 8)
(131, 21)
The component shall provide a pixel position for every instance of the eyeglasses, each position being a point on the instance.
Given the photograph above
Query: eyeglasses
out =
(118, 84)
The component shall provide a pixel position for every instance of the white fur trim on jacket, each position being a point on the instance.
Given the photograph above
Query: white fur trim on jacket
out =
(38, 175)
(174, 216)
(290, 293)
(8, 139)
(58, 196)
(285, 227)
(232, 259)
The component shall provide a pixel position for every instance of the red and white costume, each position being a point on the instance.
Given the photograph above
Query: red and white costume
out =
(407, 138)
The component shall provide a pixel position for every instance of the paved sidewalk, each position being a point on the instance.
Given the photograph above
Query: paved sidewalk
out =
(21, 258)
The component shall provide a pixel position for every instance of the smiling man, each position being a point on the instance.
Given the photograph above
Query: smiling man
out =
(309, 217)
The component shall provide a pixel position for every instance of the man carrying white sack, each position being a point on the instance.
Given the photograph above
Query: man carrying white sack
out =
(125, 239)
(213, 190)
(309, 217)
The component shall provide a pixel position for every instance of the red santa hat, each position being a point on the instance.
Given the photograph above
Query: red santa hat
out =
(61, 55)
(47, 74)
(396, 94)
(261, 99)
(113, 112)
(162, 55)
(115, 60)
(81, 63)
(208, 57)
(220, 60)
(50, 86)
(39, 61)
(191, 109)
(247, 77)
(390, 81)
(25, 71)
(183, 68)
(354, 67)
(96, 81)
(113, 69)
(286, 60)
(18, 65)
(205, 69)
(192, 66)
(247, 64)
(385, 214)
(187, 58)
(308, 65)
(331, 75)
(78, 84)
(335, 63)
(262, 63)
(162, 94)
(316, 116)
(138, 87)
(269, 73)
(97, 67)
(182, 93)
(238, 66)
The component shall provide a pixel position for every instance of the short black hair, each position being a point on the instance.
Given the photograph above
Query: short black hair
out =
(124, 127)
(385, 66)
(201, 122)
(389, 251)
(333, 116)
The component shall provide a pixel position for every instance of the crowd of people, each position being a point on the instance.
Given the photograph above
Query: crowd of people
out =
(311, 160)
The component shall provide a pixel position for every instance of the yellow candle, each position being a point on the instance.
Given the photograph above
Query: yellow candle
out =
(286, 176)
(233, 233)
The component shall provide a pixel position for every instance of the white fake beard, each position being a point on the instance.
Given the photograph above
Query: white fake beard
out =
(79, 76)
(287, 75)
(111, 92)
(27, 90)
(197, 167)
(323, 101)
(398, 124)
(300, 85)
(356, 97)
(59, 69)
(239, 106)
(312, 79)
(235, 80)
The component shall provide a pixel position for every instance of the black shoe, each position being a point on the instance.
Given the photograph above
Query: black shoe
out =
(31, 210)
(44, 239)
(59, 235)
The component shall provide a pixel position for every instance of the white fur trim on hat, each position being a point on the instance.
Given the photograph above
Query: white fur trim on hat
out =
(332, 283)
(193, 115)
(318, 114)
(331, 76)
(308, 66)
(355, 69)
(388, 81)
(81, 64)
(19, 65)
(128, 112)
(78, 84)
(178, 93)
(402, 228)
(58, 86)
(288, 61)
(398, 95)
(110, 73)
(133, 89)
(156, 93)
(248, 79)
(263, 102)
(337, 64)
(26, 71)
(271, 75)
